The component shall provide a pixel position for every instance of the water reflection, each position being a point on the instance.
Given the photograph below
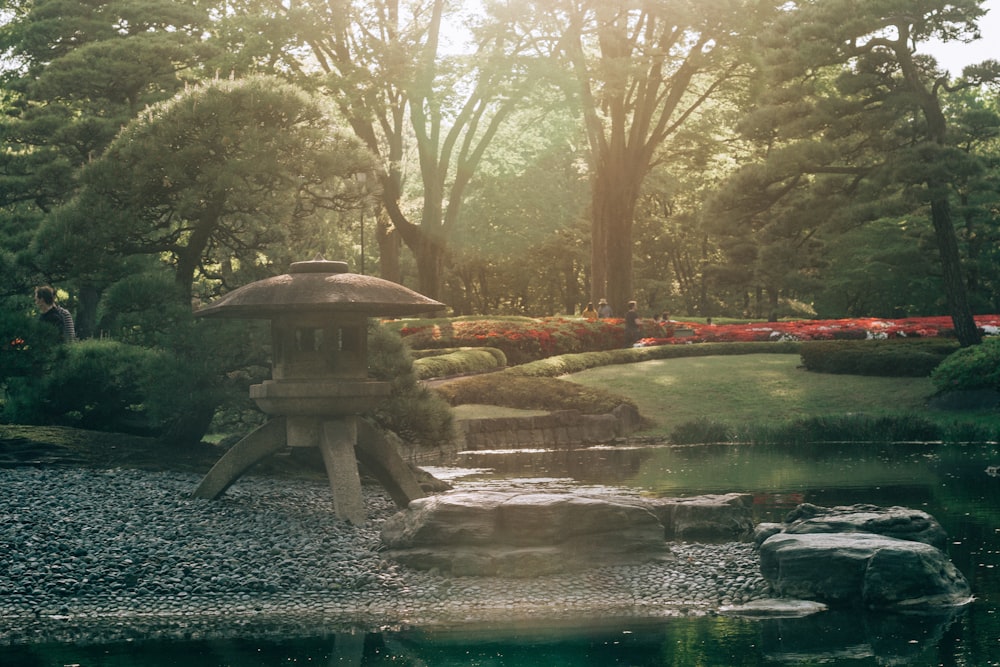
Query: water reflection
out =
(828, 638)
(890, 639)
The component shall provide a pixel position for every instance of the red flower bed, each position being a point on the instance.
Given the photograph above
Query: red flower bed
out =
(521, 339)
(526, 339)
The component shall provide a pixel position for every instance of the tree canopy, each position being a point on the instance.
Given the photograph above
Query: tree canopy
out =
(224, 177)
(852, 126)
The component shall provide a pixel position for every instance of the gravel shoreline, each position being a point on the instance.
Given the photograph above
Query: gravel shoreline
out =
(109, 555)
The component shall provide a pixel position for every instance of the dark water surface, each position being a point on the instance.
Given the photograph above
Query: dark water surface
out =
(954, 483)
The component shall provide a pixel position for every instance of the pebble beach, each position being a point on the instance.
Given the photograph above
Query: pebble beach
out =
(110, 555)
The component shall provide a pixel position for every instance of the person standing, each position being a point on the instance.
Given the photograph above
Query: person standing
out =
(631, 324)
(51, 312)
(589, 312)
(603, 309)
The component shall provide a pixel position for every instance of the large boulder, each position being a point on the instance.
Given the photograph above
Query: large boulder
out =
(521, 534)
(899, 522)
(863, 569)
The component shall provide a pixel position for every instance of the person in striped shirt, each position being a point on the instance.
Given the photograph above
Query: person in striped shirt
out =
(50, 311)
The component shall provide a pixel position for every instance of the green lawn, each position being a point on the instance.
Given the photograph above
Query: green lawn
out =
(761, 388)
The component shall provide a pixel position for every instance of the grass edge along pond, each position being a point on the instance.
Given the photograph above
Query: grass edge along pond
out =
(767, 389)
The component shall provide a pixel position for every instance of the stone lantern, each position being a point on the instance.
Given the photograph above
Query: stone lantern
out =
(319, 322)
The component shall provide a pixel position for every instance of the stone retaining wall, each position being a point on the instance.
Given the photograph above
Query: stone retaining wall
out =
(557, 429)
(566, 428)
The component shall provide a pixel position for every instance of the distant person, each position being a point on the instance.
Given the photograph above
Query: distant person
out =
(589, 312)
(51, 312)
(666, 324)
(631, 324)
(604, 310)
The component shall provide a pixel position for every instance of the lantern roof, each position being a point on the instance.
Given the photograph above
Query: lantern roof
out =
(319, 286)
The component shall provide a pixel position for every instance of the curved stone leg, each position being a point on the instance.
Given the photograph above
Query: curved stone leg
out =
(380, 458)
(337, 446)
(258, 445)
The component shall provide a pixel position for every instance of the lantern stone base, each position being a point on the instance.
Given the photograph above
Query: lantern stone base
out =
(342, 443)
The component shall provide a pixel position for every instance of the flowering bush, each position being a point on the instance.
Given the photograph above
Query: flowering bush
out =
(847, 329)
(525, 339)
(521, 339)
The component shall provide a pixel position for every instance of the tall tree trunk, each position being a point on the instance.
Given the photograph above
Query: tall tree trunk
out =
(612, 217)
(429, 254)
(388, 250)
(951, 274)
(598, 258)
(572, 299)
(955, 288)
(773, 300)
(188, 256)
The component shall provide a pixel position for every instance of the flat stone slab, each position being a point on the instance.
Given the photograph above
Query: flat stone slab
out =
(529, 534)
(521, 534)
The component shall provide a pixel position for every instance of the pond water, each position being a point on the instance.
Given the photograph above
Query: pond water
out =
(957, 484)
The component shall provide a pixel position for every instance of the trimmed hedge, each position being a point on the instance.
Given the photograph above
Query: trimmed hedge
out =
(98, 385)
(458, 362)
(885, 358)
(574, 363)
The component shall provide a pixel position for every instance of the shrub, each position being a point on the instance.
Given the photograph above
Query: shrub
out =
(27, 346)
(203, 368)
(842, 428)
(885, 358)
(975, 367)
(414, 412)
(97, 385)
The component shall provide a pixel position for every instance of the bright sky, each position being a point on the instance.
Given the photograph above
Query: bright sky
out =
(955, 56)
